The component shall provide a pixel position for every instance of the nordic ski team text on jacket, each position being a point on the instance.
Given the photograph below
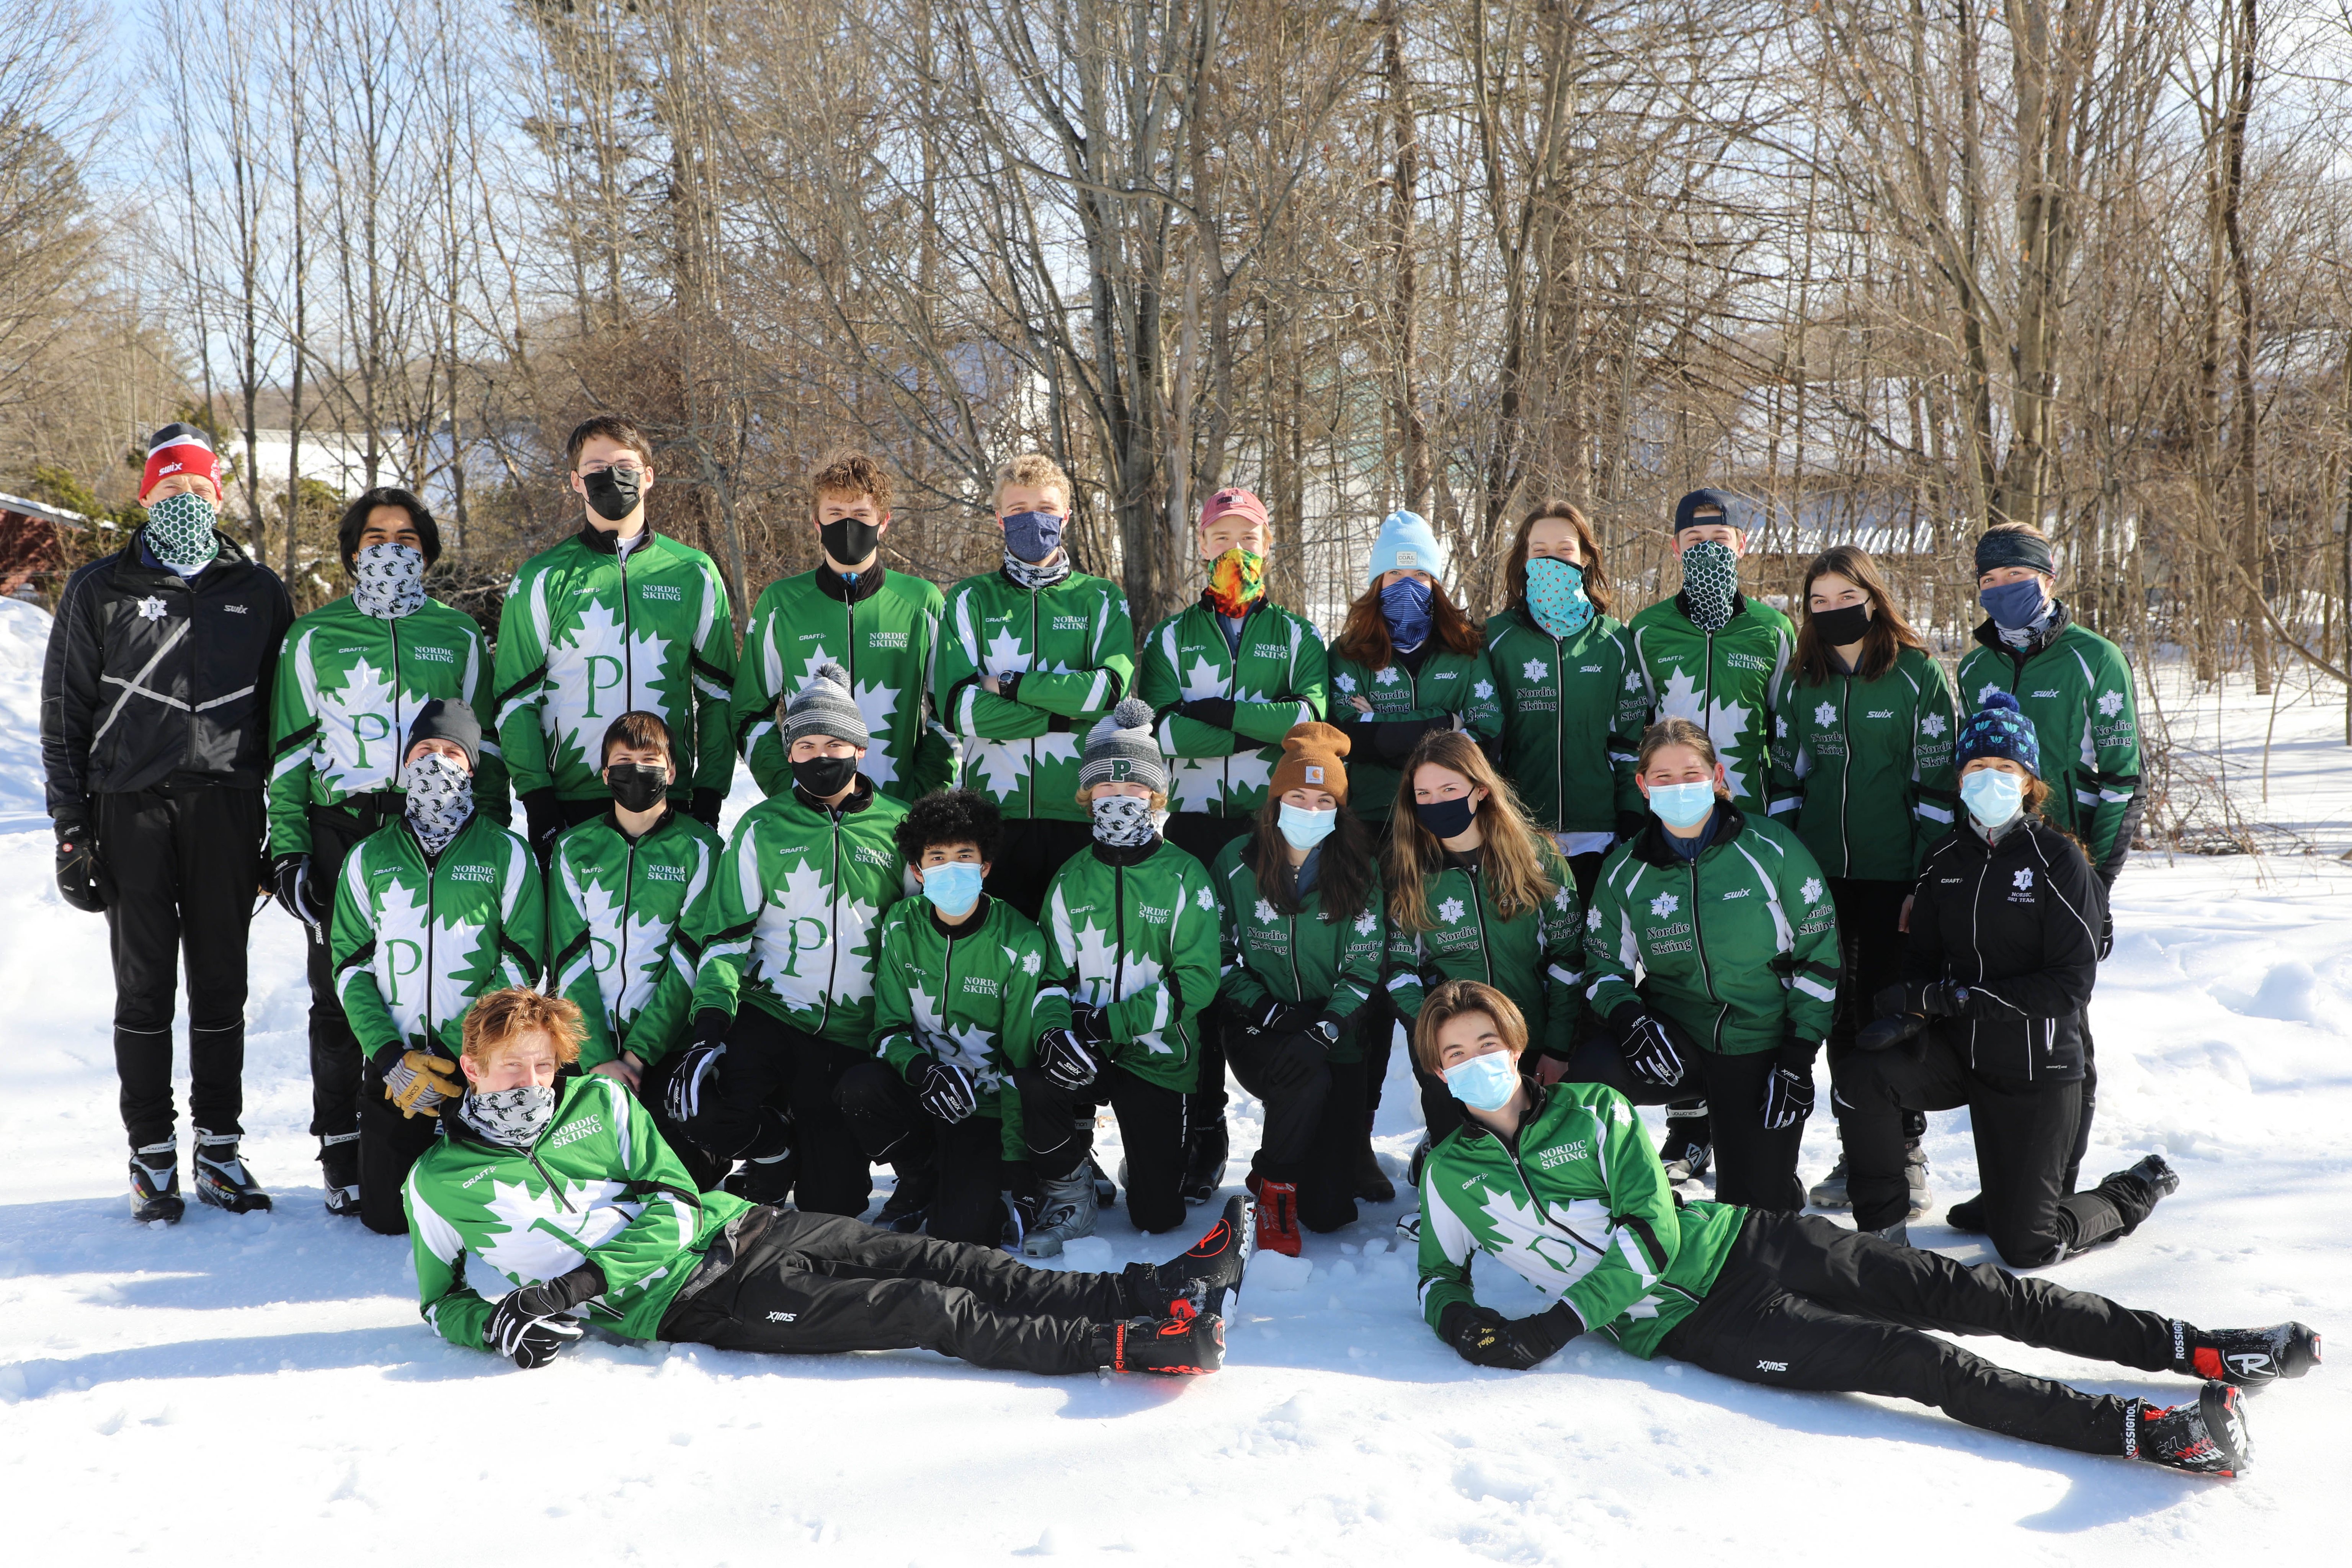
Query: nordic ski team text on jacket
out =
(977, 1001)
(150, 676)
(2075, 686)
(599, 1186)
(2017, 923)
(1580, 1210)
(1722, 681)
(587, 634)
(1138, 938)
(1535, 958)
(882, 632)
(1572, 716)
(793, 916)
(616, 917)
(348, 686)
(1071, 645)
(1739, 948)
(1274, 678)
(1440, 683)
(1862, 768)
(416, 940)
(1266, 955)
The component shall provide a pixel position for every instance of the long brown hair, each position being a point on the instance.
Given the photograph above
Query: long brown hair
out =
(1343, 875)
(1588, 551)
(1511, 864)
(1889, 633)
(1364, 639)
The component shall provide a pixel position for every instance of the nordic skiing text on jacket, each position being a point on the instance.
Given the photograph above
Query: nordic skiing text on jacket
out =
(348, 685)
(1862, 768)
(1535, 958)
(793, 915)
(1580, 1210)
(1739, 948)
(416, 940)
(616, 916)
(1266, 955)
(1072, 647)
(882, 632)
(1722, 681)
(1433, 683)
(2017, 924)
(1136, 935)
(1572, 716)
(1274, 678)
(150, 676)
(599, 1186)
(977, 1000)
(587, 634)
(2075, 686)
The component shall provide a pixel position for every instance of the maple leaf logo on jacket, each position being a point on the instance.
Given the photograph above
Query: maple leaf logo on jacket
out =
(1665, 904)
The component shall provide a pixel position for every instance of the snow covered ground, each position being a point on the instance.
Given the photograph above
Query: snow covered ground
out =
(261, 1389)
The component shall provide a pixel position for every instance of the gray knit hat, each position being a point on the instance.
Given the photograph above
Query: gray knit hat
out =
(1121, 749)
(824, 707)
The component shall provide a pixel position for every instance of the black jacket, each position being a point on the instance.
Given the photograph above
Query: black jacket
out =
(2017, 923)
(153, 677)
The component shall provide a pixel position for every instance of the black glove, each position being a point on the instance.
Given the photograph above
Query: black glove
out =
(562, 1293)
(703, 807)
(1273, 1018)
(1650, 1053)
(1212, 711)
(529, 1339)
(1928, 998)
(289, 875)
(80, 882)
(1089, 1022)
(684, 1100)
(1483, 1337)
(945, 1090)
(1788, 1090)
(544, 814)
(1067, 1060)
(1886, 1033)
(1291, 1059)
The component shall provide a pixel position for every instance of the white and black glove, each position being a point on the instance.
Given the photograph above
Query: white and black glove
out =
(290, 880)
(684, 1100)
(1788, 1089)
(1068, 1061)
(1650, 1054)
(946, 1092)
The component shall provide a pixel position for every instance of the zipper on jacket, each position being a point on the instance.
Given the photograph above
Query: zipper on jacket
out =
(628, 896)
(1478, 909)
(1297, 993)
(1560, 735)
(432, 883)
(546, 1175)
(1119, 931)
(1976, 904)
(833, 923)
(1037, 659)
(628, 640)
(1845, 777)
(399, 727)
(1698, 942)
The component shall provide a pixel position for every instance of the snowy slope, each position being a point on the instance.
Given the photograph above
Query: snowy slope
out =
(260, 1387)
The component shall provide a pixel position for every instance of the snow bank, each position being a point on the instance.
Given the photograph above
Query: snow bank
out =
(24, 640)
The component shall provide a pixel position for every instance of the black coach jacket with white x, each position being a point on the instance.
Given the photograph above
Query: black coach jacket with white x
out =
(152, 676)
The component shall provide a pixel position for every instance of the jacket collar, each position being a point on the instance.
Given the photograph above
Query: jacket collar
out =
(970, 924)
(612, 819)
(860, 796)
(603, 543)
(1988, 635)
(1651, 848)
(1126, 854)
(132, 566)
(834, 586)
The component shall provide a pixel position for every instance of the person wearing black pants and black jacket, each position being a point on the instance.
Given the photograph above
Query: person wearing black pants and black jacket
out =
(155, 740)
(2002, 957)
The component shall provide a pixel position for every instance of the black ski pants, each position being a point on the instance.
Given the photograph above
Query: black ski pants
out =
(186, 863)
(1753, 1165)
(1870, 948)
(806, 1284)
(1804, 1304)
(1059, 1126)
(767, 1058)
(389, 1143)
(1313, 1133)
(335, 1055)
(1033, 850)
(1204, 837)
(891, 1125)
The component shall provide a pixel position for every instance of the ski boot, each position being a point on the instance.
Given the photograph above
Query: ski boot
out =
(1065, 1211)
(1106, 1190)
(221, 1177)
(910, 1201)
(767, 1179)
(1278, 1217)
(2206, 1437)
(2245, 1358)
(339, 1167)
(155, 1183)
(1830, 1193)
(1968, 1215)
(1915, 1173)
(1020, 1217)
(1685, 1158)
(1176, 1346)
(1214, 1266)
(1408, 1228)
(1205, 1164)
(1412, 1167)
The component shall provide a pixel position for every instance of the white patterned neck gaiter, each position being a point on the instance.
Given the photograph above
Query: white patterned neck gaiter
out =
(1710, 584)
(512, 1117)
(388, 581)
(1123, 821)
(180, 531)
(440, 798)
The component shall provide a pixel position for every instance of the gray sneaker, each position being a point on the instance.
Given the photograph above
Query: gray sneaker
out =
(1065, 1211)
(1914, 1171)
(1830, 1193)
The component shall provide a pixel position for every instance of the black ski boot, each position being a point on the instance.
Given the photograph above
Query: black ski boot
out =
(766, 1180)
(1106, 1190)
(1214, 1266)
(339, 1168)
(2206, 1437)
(1687, 1153)
(910, 1201)
(1365, 1174)
(1176, 1346)
(2245, 1358)
(155, 1183)
(1205, 1164)
(221, 1177)
(1968, 1215)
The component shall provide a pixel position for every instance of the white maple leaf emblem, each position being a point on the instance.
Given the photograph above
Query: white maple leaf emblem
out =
(1519, 1236)
(969, 1046)
(1345, 682)
(1450, 911)
(405, 938)
(1367, 922)
(1483, 690)
(878, 705)
(1203, 680)
(602, 671)
(2110, 703)
(1097, 961)
(1206, 899)
(1632, 680)
(1825, 715)
(545, 1235)
(1265, 914)
(1932, 725)
(1534, 669)
(798, 926)
(1665, 904)
(1725, 724)
(1592, 920)
(1006, 654)
(627, 951)
(361, 725)
(2024, 881)
(1387, 677)
(1031, 960)
(1811, 890)
(1984, 692)
(1565, 897)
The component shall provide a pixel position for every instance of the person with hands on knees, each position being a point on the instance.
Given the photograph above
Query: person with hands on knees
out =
(437, 909)
(963, 987)
(1559, 1185)
(1131, 934)
(1988, 1015)
(1303, 940)
(1729, 922)
(1406, 663)
(620, 889)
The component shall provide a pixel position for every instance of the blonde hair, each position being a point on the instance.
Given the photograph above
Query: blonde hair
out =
(501, 1017)
(1086, 795)
(1512, 866)
(1033, 470)
(1450, 1001)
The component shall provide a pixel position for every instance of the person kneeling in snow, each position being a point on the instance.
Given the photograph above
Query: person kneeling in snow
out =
(567, 1195)
(1562, 1185)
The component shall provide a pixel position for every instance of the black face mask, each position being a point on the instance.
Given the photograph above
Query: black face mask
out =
(822, 778)
(1838, 627)
(849, 540)
(1447, 818)
(614, 493)
(637, 787)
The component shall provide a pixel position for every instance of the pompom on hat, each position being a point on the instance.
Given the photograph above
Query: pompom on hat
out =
(1121, 749)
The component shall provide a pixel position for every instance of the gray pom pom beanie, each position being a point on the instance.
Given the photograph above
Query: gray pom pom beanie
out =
(826, 706)
(1121, 749)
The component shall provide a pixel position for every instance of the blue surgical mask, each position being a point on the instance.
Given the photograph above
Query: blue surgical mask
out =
(2015, 607)
(1032, 536)
(953, 886)
(1683, 805)
(1305, 829)
(1484, 1083)
(1992, 796)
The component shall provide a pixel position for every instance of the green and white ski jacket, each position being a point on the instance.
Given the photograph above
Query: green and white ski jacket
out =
(794, 913)
(600, 1186)
(1862, 768)
(1535, 958)
(1136, 935)
(588, 634)
(1446, 683)
(1722, 681)
(1739, 948)
(348, 687)
(416, 940)
(1275, 678)
(1267, 955)
(977, 1001)
(1581, 1210)
(617, 919)
(884, 637)
(1072, 645)
(1573, 711)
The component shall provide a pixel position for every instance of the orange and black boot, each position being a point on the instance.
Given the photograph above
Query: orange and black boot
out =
(2206, 1437)
(1277, 1218)
(2245, 1357)
(1181, 1346)
(1202, 1275)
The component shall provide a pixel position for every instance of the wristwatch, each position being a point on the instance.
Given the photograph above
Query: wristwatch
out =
(1325, 1030)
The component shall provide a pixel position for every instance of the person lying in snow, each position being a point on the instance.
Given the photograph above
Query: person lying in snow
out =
(572, 1204)
(1562, 1185)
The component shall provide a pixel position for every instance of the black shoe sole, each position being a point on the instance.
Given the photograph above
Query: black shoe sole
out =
(168, 1212)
